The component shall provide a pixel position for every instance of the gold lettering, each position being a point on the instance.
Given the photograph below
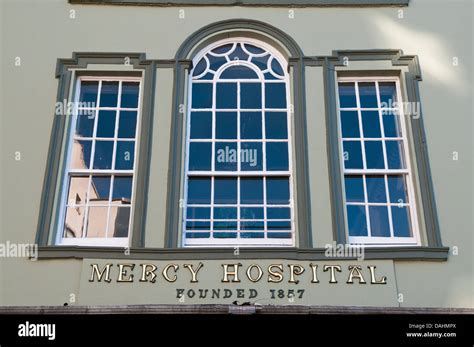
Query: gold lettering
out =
(333, 272)
(193, 272)
(272, 273)
(165, 272)
(314, 269)
(259, 272)
(234, 273)
(146, 273)
(123, 272)
(297, 270)
(373, 279)
(355, 271)
(95, 270)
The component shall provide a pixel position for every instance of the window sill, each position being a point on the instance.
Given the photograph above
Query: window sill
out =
(372, 253)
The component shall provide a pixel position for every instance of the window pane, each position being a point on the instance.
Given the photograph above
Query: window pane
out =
(100, 190)
(198, 225)
(122, 191)
(198, 235)
(81, 154)
(354, 188)
(199, 190)
(200, 67)
(347, 96)
(277, 156)
(252, 225)
(374, 155)
(251, 191)
(251, 213)
(356, 220)
(397, 189)
(238, 54)
(226, 95)
(250, 125)
(125, 155)
(251, 95)
(276, 67)
(388, 94)
(401, 221)
(394, 155)
(77, 190)
(279, 235)
(202, 95)
(88, 94)
(225, 213)
(216, 62)
(391, 124)
(275, 95)
(276, 125)
(261, 62)
(200, 156)
(226, 156)
(279, 225)
(109, 94)
(85, 124)
(278, 213)
(74, 222)
(220, 225)
(371, 124)
(367, 95)
(127, 124)
(226, 235)
(278, 190)
(376, 188)
(226, 125)
(350, 124)
(238, 71)
(119, 221)
(379, 225)
(201, 125)
(106, 124)
(352, 155)
(198, 213)
(129, 94)
(103, 155)
(225, 190)
(251, 156)
(97, 221)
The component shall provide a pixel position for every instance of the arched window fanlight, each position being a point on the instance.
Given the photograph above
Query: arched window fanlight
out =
(238, 188)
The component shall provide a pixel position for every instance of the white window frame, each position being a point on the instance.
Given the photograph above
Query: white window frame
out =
(235, 242)
(99, 241)
(414, 240)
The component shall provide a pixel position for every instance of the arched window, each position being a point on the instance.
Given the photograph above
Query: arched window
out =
(238, 188)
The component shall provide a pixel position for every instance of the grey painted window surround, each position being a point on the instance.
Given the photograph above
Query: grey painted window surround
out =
(182, 64)
(292, 3)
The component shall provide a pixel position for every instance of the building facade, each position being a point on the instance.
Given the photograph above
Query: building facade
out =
(276, 153)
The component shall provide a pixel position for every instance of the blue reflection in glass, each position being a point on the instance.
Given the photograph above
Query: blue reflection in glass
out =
(216, 62)
(352, 155)
(394, 155)
(122, 188)
(251, 157)
(278, 190)
(350, 124)
(253, 49)
(86, 148)
(276, 125)
(356, 220)
(390, 125)
(226, 95)
(251, 95)
(198, 235)
(221, 235)
(127, 124)
(201, 125)
(277, 156)
(238, 71)
(199, 190)
(225, 213)
(238, 54)
(374, 155)
(251, 213)
(198, 225)
(85, 125)
(275, 95)
(261, 62)
(278, 213)
(276, 67)
(376, 188)
(279, 235)
(129, 94)
(200, 67)
(103, 155)
(89, 90)
(198, 213)
(367, 95)
(354, 186)
(251, 191)
(109, 94)
(200, 156)
(125, 155)
(388, 94)
(224, 225)
(252, 225)
(225, 190)
(251, 125)
(226, 156)
(379, 225)
(347, 96)
(202, 95)
(223, 49)
(106, 124)
(279, 225)
(100, 188)
(401, 221)
(371, 124)
(226, 125)
(397, 189)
